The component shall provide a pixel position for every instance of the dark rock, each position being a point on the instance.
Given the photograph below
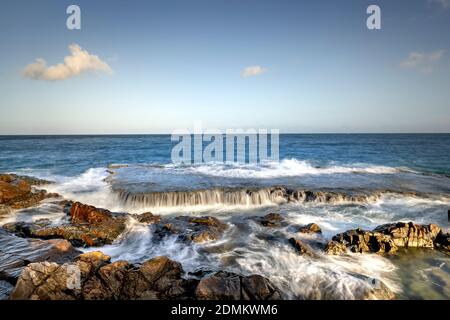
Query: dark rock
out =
(195, 229)
(310, 229)
(271, 220)
(230, 286)
(158, 278)
(300, 247)
(442, 241)
(147, 217)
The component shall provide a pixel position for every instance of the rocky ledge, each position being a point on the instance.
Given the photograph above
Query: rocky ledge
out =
(92, 276)
(89, 226)
(388, 238)
(18, 192)
(16, 253)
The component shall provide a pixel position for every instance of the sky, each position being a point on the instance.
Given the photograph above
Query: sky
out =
(158, 66)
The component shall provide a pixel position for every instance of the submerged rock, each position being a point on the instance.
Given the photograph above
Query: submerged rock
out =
(89, 226)
(147, 217)
(16, 192)
(271, 220)
(230, 286)
(310, 229)
(389, 237)
(92, 276)
(301, 247)
(195, 229)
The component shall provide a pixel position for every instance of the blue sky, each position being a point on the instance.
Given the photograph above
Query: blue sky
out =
(176, 63)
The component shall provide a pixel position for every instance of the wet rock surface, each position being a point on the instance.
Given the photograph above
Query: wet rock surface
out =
(301, 247)
(89, 226)
(147, 217)
(17, 192)
(389, 237)
(16, 253)
(271, 220)
(191, 229)
(92, 276)
(230, 286)
(311, 228)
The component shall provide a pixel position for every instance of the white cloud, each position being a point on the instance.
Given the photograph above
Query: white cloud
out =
(77, 62)
(253, 71)
(444, 4)
(422, 61)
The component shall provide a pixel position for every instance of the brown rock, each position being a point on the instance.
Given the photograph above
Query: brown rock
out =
(82, 213)
(16, 193)
(271, 220)
(310, 229)
(300, 247)
(229, 286)
(387, 238)
(195, 229)
(335, 248)
(147, 217)
(89, 227)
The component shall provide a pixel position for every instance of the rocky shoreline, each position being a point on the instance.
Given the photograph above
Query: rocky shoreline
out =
(47, 258)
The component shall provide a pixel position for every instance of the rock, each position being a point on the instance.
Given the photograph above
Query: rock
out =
(361, 241)
(147, 217)
(310, 229)
(335, 248)
(89, 226)
(271, 220)
(16, 253)
(193, 229)
(442, 241)
(97, 278)
(300, 247)
(82, 213)
(16, 193)
(230, 286)
(410, 234)
(389, 237)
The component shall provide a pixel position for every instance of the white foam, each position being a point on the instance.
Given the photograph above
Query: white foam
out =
(284, 168)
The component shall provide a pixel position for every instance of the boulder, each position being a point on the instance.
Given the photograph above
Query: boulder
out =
(335, 248)
(410, 234)
(82, 213)
(271, 220)
(192, 229)
(311, 228)
(147, 217)
(301, 247)
(389, 237)
(16, 192)
(88, 226)
(230, 286)
(96, 278)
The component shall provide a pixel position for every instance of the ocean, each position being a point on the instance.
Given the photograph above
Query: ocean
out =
(397, 177)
